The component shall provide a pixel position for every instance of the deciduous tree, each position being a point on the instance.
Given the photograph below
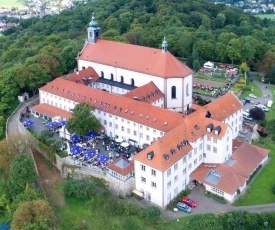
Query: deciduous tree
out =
(257, 114)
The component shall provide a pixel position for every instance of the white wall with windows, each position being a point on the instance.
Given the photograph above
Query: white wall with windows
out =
(235, 122)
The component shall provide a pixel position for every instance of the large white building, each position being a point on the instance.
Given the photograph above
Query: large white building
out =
(139, 94)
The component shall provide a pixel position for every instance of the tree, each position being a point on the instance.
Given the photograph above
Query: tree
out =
(32, 212)
(83, 120)
(257, 114)
(244, 68)
(271, 128)
(22, 172)
(79, 189)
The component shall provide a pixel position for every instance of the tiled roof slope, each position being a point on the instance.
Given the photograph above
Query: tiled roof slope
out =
(247, 157)
(122, 171)
(51, 111)
(81, 75)
(185, 131)
(146, 93)
(229, 181)
(135, 58)
(224, 106)
(145, 114)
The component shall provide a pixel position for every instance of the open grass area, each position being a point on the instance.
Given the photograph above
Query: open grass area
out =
(256, 91)
(268, 16)
(11, 3)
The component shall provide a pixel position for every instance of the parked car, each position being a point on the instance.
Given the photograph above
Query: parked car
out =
(264, 108)
(247, 100)
(252, 95)
(189, 202)
(243, 101)
(184, 207)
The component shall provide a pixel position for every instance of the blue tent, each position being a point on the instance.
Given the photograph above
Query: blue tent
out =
(103, 158)
(91, 134)
(51, 125)
(28, 123)
(62, 123)
(75, 138)
(76, 149)
(89, 153)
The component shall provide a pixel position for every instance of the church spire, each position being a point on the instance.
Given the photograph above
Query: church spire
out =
(93, 30)
(164, 45)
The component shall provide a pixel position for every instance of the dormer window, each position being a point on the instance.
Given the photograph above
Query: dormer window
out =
(165, 123)
(150, 155)
(90, 99)
(155, 119)
(217, 130)
(120, 109)
(94, 101)
(166, 157)
(196, 127)
(147, 117)
(209, 128)
(78, 95)
(193, 134)
(172, 151)
(105, 104)
(68, 92)
(62, 90)
(179, 146)
(83, 97)
(56, 88)
(73, 94)
(126, 110)
(115, 107)
(51, 86)
(141, 115)
(100, 103)
(184, 142)
(132, 112)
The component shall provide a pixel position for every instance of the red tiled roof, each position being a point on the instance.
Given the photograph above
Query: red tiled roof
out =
(81, 75)
(135, 58)
(224, 106)
(51, 111)
(229, 181)
(247, 158)
(145, 114)
(122, 171)
(145, 90)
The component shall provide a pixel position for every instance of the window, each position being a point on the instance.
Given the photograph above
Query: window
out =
(143, 179)
(141, 135)
(116, 126)
(215, 140)
(173, 92)
(135, 133)
(153, 172)
(143, 168)
(122, 128)
(190, 166)
(110, 124)
(184, 171)
(121, 79)
(169, 184)
(169, 172)
(122, 120)
(154, 131)
(128, 122)
(175, 178)
(200, 157)
(195, 161)
(215, 149)
(208, 138)
(200, 146)
(147, 137)
(105, 122)
(190, 155)
(140, 126)
(227, 139)
(147, 129)
(132, 81)
(128, 130)
(176, 167)
(208, 147)
(184, 160)
(102, 74)
(112, 77)
(195, 150)
(153, 184)
(227, 147)
(187, 89)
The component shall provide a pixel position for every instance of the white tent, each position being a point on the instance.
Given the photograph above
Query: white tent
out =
(124, 144)
(208, 65)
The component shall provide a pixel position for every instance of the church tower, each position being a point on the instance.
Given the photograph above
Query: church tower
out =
(93, 31)
(164, 45)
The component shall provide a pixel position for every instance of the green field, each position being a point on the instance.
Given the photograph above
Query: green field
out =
(11, 3)
(268, 16)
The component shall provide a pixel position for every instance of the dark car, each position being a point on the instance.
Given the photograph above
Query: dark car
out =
(184, 207)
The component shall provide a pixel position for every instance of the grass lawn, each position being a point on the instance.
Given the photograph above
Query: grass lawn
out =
(271, 113)
(268, 16)
(256, 91)
(11, 3)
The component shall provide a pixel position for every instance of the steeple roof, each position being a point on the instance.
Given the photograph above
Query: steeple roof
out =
(93, 23)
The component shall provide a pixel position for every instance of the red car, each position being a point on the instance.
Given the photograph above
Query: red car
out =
(189, 202)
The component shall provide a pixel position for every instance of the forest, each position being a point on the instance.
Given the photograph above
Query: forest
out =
(41, 49)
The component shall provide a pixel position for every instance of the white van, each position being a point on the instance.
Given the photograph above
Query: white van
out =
(247, 116)
(264, 108)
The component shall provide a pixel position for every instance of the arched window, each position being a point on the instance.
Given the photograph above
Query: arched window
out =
(112, 77)
(173, 92)
(132, 81)
(83, 67)
(121, 79)
(187, 89)
(102, 74)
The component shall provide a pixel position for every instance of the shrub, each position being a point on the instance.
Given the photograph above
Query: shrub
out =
(273, 189)
(151, 214)
(79, 189)
(238, 191)
(130, 208)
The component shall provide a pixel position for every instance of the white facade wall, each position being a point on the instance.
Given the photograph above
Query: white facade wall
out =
(235, 123)
(114, 125)
(226, 196)
(140, 79)
(151, 193)
(111, 89)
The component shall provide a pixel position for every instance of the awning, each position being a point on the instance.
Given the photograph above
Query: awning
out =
(138, 193)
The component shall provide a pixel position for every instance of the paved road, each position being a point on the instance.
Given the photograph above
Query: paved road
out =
(12, 127)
